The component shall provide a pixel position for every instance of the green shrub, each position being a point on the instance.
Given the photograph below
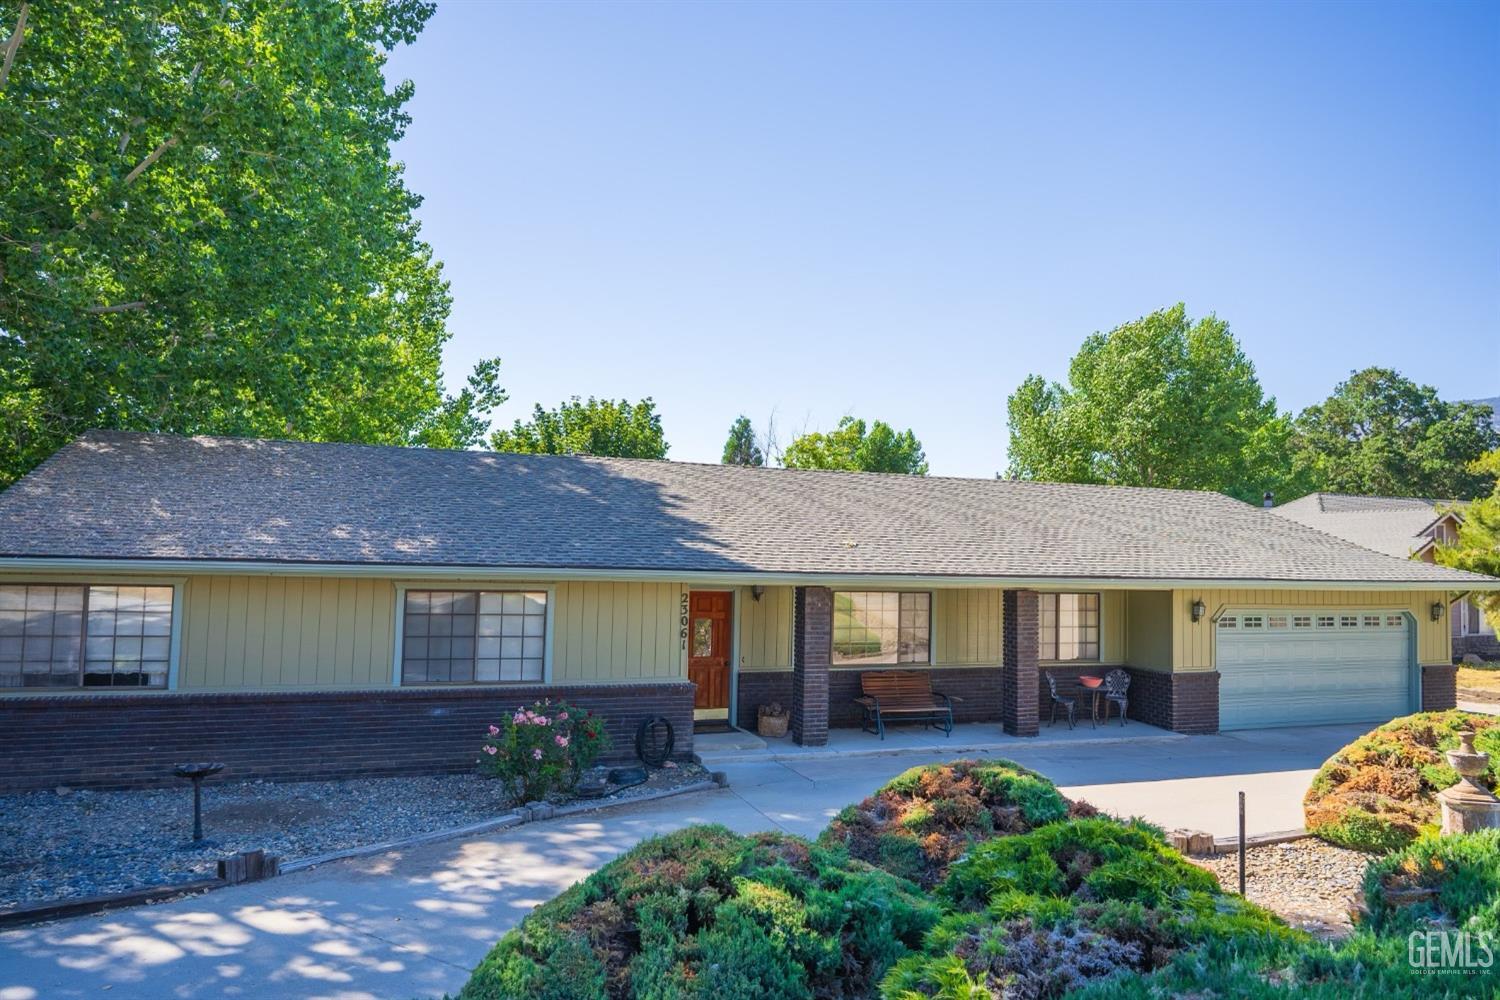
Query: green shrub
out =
(707, 913)
(1377, 793)
(1087, 859)
(1045, 913)
(919, 822)
(1448, 881)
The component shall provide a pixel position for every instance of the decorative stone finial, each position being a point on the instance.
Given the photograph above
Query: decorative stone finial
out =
(1468, 805)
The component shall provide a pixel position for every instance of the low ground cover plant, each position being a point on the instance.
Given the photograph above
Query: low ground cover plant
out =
(1041, 914)
(707, 913)
(542, 750)
(1438, 881)
(921, 821)
(1378, 793)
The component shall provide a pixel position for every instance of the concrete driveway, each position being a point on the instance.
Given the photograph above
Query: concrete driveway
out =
(412, 924)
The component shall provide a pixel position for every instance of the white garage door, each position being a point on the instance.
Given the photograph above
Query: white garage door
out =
(1302, 667)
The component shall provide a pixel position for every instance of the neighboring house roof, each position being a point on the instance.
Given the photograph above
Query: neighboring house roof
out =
(120, 496)
(1397, 526)
(1494, 404)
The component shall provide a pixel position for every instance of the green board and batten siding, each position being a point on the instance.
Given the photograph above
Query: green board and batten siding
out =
(257, 632)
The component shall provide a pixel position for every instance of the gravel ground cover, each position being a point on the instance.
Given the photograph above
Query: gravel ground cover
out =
(1309, 883)
(72, 844)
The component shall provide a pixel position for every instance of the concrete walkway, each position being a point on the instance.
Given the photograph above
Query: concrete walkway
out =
(412, 924)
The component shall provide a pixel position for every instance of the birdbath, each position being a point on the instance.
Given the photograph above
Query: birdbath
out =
(197, 772)
(1468, 805)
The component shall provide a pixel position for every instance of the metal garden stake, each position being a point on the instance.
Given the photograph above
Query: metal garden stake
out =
(1242, 845)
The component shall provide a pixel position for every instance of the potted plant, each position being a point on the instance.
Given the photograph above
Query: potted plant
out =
(771, 719)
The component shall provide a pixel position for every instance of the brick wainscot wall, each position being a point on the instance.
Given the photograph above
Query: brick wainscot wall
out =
(126, 740)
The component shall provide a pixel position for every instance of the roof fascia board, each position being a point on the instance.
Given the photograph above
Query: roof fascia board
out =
(743, 578)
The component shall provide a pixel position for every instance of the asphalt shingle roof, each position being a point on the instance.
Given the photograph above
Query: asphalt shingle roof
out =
(1396, 526)
(114, 495)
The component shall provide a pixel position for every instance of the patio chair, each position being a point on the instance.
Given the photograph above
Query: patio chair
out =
(1069, 705)
(1116, 686)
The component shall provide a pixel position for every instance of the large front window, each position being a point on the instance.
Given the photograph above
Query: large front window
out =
(1069, 627)
(473, 636)
(881, 627)
(85, 636)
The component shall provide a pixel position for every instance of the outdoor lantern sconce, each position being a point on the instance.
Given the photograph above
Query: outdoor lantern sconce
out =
(1198, 611)
(757, 592)
(1437, 611)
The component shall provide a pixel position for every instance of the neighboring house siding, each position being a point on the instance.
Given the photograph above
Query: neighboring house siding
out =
(1193, 646)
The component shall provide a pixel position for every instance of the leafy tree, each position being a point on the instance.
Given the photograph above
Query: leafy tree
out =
(1477, 548)
(202, 229)
(588, 427)
(1161, 401)
(741, 448)
(853, 448)
(1382, 434)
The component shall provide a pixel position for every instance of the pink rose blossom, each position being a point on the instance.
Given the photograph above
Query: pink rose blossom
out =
(536, 754)
(494, 730)
(562, 716)
(560, 740)
(519, 719)
(490, 750)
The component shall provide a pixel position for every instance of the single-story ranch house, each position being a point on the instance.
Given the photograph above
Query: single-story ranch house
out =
(318, 610)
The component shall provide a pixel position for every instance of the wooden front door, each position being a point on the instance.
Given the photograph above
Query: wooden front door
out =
(708, 646)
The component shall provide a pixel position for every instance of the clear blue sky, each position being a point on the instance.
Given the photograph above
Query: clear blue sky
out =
(900, 211)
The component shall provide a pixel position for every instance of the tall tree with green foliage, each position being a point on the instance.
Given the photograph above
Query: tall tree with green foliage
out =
(1381, 434)
(588, 427)
(1477, 548)
(852, 447)
(742, 448)
(202, 230)
(1162, 401)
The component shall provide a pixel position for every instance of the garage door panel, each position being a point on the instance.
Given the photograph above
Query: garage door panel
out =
(1307, 668)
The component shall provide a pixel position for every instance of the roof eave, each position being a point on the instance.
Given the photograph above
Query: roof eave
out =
(711, 577)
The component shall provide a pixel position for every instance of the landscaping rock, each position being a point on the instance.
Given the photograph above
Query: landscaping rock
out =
(70, 845)
(1310, 884)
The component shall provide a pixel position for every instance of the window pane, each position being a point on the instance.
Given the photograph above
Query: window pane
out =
(41, 635)
(914, 638)
(1068, 626)
(880, 627)
(465, 637)
(129, 636)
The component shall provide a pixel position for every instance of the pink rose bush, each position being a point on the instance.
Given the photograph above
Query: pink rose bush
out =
(542, 750)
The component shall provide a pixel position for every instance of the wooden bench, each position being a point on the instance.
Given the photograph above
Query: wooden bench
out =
(905, 694)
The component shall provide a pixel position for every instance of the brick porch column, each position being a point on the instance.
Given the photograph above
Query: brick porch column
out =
(1018, 671)
(812, 650)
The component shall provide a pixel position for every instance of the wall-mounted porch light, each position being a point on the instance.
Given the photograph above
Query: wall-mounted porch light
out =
(1437, 611)
(1198, 610)
(757, 591)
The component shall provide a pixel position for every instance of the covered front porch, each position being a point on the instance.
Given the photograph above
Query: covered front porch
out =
(991, 649)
